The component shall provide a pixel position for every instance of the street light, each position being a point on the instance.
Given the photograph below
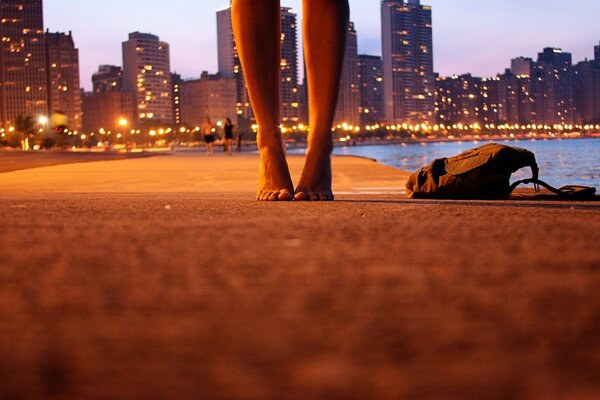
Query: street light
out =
(123, 123)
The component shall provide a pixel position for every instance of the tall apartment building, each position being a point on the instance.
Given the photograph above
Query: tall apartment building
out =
(597, 53)
(290, 107)
(176, 96)
(554, 87)
(147, 75)
(489, 100)
(586, 92)
(213, 96)
(508, 98)
(62, 67)
(230, 65)
(371, 89)
(108, 78)
(409, 81)
(458, 100)
(23, 85)
(348, 104)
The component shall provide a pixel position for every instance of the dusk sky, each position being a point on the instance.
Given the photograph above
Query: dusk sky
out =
(469, 35)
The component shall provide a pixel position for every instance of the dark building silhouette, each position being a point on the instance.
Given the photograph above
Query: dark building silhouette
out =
(176, 96)
(371, 89)
(108, 78)
(508, 98)
(348, 104)
(62, 67)
(23, 78)
(105, 110)
(409, 81)
(597, 53)
(554, 87)
(586, 92)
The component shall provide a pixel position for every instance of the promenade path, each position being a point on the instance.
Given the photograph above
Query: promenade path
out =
(162, 278)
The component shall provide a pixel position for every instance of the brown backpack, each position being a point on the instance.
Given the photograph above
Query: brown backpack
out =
(482, 173)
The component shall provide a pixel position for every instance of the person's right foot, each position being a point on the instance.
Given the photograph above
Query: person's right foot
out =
(275, 182)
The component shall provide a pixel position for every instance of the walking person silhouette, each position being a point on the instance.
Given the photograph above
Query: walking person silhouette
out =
(257, 29)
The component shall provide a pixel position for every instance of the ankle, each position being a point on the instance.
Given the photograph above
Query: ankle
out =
(269, 139)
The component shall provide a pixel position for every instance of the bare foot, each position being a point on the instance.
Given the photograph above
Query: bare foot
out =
(275, 183)
(315, 183)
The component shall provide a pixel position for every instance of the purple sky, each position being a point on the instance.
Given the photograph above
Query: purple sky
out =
(469, 35)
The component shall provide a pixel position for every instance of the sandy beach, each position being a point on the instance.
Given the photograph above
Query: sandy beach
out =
(162, 278)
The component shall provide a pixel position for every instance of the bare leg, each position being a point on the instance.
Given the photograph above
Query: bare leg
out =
(325, 29)
(257, 29)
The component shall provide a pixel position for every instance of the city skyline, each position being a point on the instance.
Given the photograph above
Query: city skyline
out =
(462, 32)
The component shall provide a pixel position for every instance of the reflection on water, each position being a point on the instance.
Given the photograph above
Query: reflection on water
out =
(561, 162)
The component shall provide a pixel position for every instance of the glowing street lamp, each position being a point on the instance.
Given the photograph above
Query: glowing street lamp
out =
(123, 124)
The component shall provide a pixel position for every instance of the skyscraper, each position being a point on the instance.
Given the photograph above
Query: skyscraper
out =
(597, 53)
(586, 92)
(371, 89)
(176, 97)
(146, 74)
(23, 87)
(554, 87)
(290, 111)
(230, 65)
(62, 63)
(108, 78)
(409, 81)
(348, 104)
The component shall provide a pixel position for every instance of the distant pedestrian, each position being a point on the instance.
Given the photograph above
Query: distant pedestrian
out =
(208, 132)
(240, 138)
(228, 128)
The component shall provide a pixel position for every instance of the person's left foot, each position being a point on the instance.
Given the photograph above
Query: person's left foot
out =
(315, 183)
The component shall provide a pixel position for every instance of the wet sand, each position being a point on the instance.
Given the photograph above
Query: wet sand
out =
(166, 280)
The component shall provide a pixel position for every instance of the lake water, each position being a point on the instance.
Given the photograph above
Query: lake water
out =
(561, 162)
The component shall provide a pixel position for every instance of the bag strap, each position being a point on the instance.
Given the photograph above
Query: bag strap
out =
(568, 192)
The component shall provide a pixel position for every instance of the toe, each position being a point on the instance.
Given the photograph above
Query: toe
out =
(325, 196)
(301, 196)
(285, 195)
(314, 196)
(273, 196)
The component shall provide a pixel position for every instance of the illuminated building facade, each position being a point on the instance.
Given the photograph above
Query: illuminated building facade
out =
(409, 81)
(458, 99)
(23, 85)
(62, 66)
(348, 104)
(290, 107)
(489, 101)
(371, 89)
(213, 96)
(108, 78)
(147, 76)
